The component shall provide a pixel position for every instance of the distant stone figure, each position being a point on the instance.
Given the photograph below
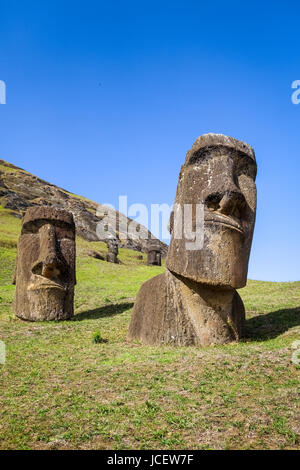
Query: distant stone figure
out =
(195, 301)
(113, 250)
(45, 267)
(153, 253)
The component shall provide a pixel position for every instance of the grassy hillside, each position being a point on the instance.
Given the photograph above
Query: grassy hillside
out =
(20, 189)
(60, 390)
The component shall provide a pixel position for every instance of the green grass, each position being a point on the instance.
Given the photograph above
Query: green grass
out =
(61, 389)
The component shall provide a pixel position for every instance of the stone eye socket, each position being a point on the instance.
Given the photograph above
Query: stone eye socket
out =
(62, 230)
(244, 167)
(30, 228)
(64, 234)
(213, 201)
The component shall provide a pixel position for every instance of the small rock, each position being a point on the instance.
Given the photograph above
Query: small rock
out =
(95, 254)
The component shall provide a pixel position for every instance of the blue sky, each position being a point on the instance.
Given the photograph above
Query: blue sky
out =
(105, 98)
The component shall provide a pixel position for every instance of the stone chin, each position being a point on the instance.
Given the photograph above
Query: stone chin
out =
(50, 300)
(223, 260)
(46, 303)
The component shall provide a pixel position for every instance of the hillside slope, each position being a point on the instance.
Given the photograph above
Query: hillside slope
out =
(60, 390)
(20, 189)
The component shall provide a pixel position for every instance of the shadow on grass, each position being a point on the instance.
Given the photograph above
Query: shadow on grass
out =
(101, 312)
(273, 324)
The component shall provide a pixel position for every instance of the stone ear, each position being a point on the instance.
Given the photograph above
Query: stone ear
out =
(171, 223)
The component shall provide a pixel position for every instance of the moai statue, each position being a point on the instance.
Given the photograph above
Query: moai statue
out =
(45, 267)
(195, 301)
(153, 253)
(113, 250)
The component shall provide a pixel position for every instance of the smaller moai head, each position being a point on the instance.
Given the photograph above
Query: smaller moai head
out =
(45, 268)
(113, 246)
(153, 253)
(218, 176)
(113, 250)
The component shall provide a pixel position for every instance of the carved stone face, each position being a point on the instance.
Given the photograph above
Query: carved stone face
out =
(113, 250)
(154, 258)
(112, 246)
(45, 270)
(153, 253)
(219, 172)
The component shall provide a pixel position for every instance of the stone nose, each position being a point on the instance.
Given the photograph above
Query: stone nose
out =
(49, 263)
(230, 202)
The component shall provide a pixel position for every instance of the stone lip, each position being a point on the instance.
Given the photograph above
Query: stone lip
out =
(219, 140)
(20, 190)
(217, 218)
(40, 282)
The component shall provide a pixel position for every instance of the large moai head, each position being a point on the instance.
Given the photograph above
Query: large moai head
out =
(45, 269)
(218, 174)
(153, 253)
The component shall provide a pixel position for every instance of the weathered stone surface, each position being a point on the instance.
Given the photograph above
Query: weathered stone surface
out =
(195, 302)
(20, 190)
(173, 310)
(153, 253)
(45, 268)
